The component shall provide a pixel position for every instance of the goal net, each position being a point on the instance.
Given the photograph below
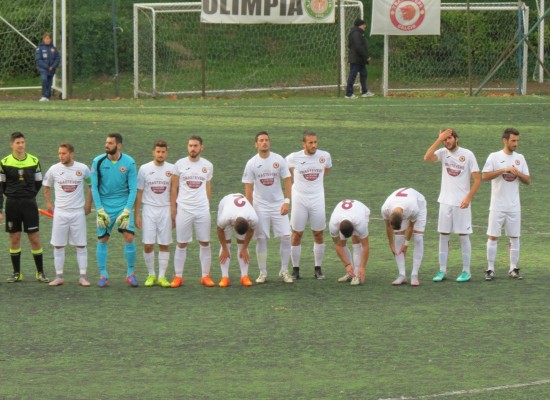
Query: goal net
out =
(22, 24)
(175, 54)
(441, 63)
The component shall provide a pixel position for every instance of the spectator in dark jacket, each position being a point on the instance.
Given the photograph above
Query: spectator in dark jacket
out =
(358, 58)
(47, 61)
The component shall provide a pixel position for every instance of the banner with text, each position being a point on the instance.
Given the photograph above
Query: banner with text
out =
(406, 17)
(267, 11)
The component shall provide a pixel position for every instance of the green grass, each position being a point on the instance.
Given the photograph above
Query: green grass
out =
(312, 339)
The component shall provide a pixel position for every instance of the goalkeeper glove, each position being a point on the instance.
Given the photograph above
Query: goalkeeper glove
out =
(103, 219)
(123, 220)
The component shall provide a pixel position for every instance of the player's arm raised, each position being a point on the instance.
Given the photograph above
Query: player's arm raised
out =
(430, 153)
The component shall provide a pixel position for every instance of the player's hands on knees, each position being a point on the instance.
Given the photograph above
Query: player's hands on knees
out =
(245, 255)
(224, 254)
(103, 219)
(123, 219)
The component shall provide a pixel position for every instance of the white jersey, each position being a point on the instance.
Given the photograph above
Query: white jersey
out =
(234, 206)
(355, 212)
(408, 199)
(68, 183)
(309, 171)
(266, 174)
(193, 176)
(456, 172)
(154, 180)
(505, 187)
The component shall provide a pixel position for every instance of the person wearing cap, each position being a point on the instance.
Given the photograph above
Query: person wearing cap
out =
(459, 167)
(358, 57)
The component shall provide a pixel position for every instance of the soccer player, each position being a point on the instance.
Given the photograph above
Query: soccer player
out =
(404, 213)
(235, 211)
(505, 169)
(114, 189)
(459, 167)
(262, 182)
(350, 218)
(68, 178)
(190, 205)
(154, 218)
(20, 182)
(308, 168)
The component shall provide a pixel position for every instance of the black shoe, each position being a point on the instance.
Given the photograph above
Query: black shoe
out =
(515, 274)
(318, 274)
(295, 273)
(489, 275)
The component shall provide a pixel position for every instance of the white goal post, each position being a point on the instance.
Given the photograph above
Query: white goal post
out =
(176, 54)
(406, 76)
(21, 27)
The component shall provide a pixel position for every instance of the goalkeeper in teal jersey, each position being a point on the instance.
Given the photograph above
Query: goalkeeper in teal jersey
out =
(114, 189)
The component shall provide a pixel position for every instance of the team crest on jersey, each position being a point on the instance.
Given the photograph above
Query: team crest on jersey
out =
(517, 162)
(78, 173)
(204, 170)
(122, 169)
(322, 160)
(168, 174)
(275, 165)
(461, 158)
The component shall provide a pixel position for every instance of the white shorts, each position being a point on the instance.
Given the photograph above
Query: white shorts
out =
(187, 221)
(71, 223)
(304, 210)
(453, 219)
(268, 218)
(156, 225)
(511, 221)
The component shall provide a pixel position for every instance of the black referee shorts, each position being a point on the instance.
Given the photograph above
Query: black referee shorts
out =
(21, 214)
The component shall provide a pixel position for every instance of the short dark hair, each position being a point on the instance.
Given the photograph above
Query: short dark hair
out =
(509, 131)
(116, 136)
(260, 134)
(67, 146)
(16, 135)
(307, 134)
(241, 226)
(346, 228)
(396, 219)
(195, 137)
(160, 143)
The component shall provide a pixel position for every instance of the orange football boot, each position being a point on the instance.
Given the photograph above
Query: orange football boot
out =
(176, 282)
(224, 282)
(245, 281)
(207, 281)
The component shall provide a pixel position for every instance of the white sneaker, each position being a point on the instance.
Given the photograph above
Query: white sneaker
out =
(414, 280)
(355, 281)
(368, 94)
(345, 278)
(262, 278)
(44, 99)
(286, 277)
(401, 279)
(351, 97)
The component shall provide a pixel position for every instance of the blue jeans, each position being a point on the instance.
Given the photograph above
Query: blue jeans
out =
(47, 81)
(355, 69)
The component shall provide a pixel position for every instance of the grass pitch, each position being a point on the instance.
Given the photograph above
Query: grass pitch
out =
(312, 339)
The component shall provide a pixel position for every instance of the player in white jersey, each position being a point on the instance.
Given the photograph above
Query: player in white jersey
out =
(405, 214)
(505, 169)
(350, 218)
(190, 204)
(308, 168)
(459, 167)
(235, 212)
(68, 178)
(152, 211)
(262, 182)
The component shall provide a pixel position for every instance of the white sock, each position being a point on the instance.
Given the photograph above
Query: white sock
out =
(179, 260)
(59, 260)
(466, 252)
(284, 252)
(261, 254)
(225, 266)
(443, 251)
(492, 246)
(357, 257)
(514, 253)
(398, 241)
(164, 258)
(418, 252)
(295, 253)
(82, 259)
(318, 253)
(149, 259)
(205, 256)
(242, 265)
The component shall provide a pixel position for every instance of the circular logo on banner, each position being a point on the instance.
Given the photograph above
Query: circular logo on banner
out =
(407, 15)
(319, 9)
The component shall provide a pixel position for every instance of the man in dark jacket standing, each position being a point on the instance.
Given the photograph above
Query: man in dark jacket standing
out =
(358, 58)
(47, 61)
